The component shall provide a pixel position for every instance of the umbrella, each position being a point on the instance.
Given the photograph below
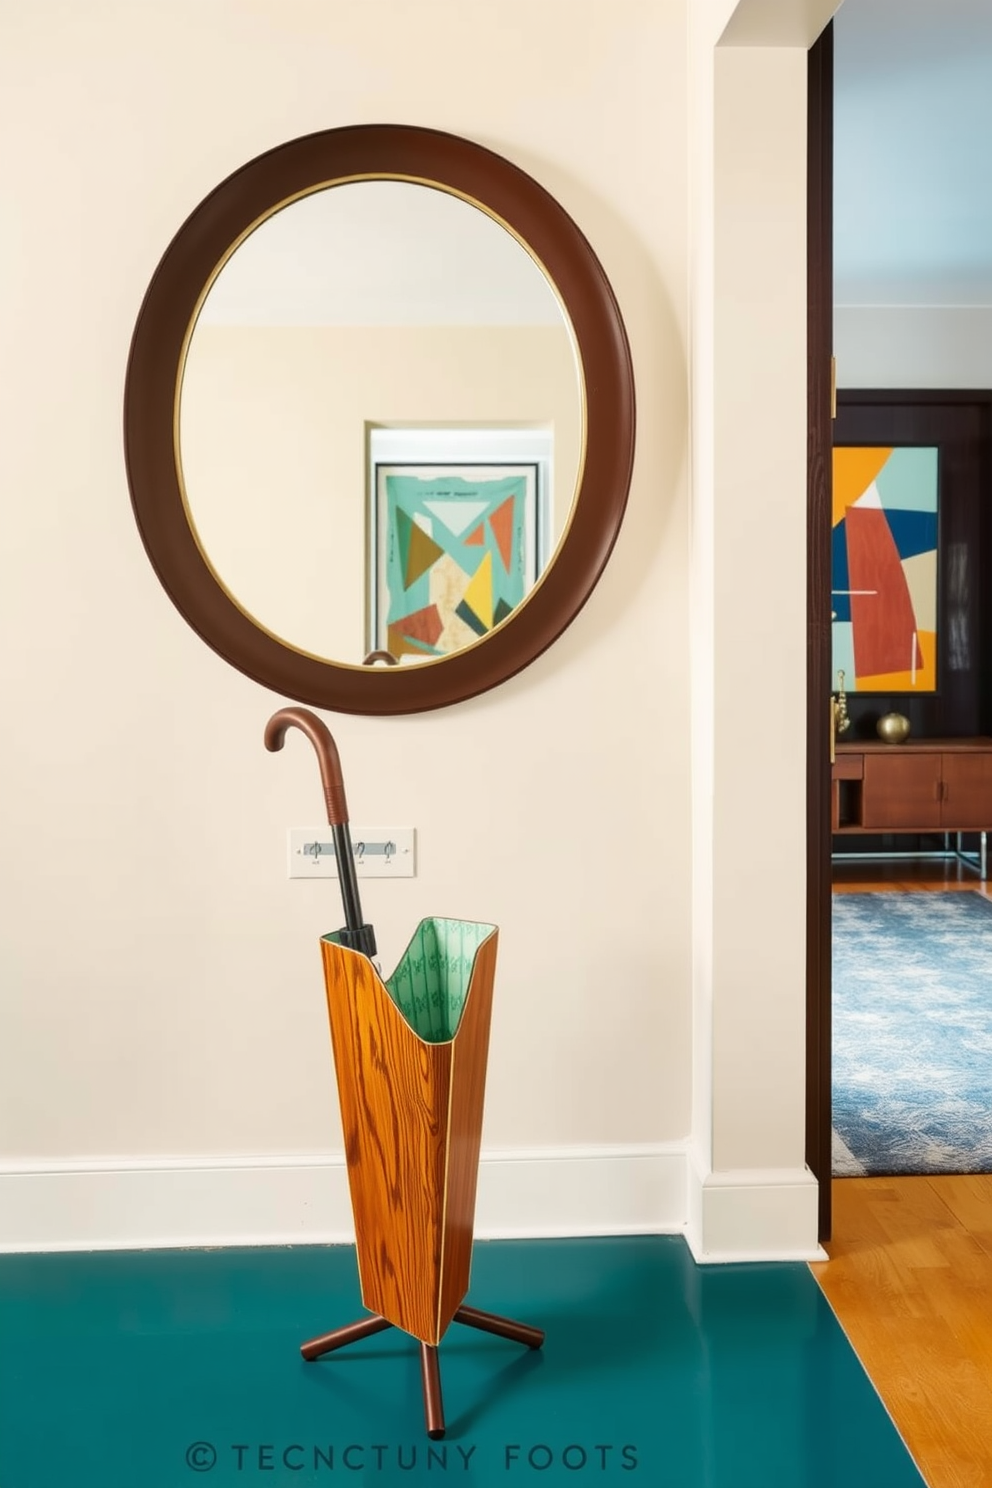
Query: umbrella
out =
(356, 935)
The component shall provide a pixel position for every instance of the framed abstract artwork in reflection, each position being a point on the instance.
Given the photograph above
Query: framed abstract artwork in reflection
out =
(454, 549)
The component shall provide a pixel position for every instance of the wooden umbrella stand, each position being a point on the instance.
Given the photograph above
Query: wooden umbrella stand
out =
(410, 1056)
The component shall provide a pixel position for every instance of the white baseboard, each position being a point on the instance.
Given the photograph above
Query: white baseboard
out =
(121, 1204)
(582, 1191)
(764, 1214)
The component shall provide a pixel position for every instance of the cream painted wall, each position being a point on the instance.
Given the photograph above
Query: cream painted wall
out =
(161, 984)
(161, 980)
(760, 523)
(273, 433)
(749, 1189)
(774, 24)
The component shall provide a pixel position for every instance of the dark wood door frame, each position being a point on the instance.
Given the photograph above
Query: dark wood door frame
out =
(819, 318)
(961, 420)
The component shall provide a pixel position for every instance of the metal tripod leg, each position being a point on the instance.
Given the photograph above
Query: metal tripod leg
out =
(491, 1322)
(430, 1375)
(314, 1348)
(430, 1372)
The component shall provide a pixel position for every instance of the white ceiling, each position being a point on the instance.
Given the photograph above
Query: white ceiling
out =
(381, 253)
(913, 152)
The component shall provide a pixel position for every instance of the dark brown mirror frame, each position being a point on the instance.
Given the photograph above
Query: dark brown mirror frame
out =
(295, 168)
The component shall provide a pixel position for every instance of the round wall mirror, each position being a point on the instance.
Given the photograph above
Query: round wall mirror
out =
(379, 419)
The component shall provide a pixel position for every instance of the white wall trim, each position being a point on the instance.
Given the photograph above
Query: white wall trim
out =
(119, 1203)
(765, 1214)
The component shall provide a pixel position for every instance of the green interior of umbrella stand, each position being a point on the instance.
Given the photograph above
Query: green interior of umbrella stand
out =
(431, 982)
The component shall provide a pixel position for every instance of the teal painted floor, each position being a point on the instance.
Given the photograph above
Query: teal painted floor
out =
(172, 1369)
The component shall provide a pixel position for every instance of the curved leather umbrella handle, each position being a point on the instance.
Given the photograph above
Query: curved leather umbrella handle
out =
(327, 755)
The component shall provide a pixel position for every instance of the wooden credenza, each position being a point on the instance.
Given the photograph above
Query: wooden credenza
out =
(924, 785)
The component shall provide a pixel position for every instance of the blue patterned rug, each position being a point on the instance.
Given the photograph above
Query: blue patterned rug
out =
(912, 1036)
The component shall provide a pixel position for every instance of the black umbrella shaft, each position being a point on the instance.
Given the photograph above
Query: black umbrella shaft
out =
(347, 875)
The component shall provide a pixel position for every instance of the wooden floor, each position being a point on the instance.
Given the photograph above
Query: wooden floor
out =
(911, 875)
(910, 1280)
(910, 1272)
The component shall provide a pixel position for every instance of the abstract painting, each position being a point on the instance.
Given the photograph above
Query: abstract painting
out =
(454, 551)
(884, 568)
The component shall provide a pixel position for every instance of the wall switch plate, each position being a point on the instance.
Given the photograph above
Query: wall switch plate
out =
(379, 852)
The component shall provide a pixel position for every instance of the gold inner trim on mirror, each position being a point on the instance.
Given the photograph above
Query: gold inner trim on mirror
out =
(428, 661)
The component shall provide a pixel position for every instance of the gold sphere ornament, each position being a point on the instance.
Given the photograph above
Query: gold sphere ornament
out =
(893, 728)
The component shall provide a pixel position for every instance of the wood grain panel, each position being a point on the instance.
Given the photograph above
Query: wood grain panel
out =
(968, 1196)
(393, 1090)
(973, 744)
(901, 790)
(411, 1112)
(967, 795)
(819, 507)
(468, 1090)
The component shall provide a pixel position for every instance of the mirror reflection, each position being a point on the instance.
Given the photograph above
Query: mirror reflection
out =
(380, 423)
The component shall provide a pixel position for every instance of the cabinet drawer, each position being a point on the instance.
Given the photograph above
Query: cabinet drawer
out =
(849, 767)
(902, 791)
(966, 797)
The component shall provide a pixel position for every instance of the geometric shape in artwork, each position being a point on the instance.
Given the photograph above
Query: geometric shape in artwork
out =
(466, 614)
(884, 623)
(842, 656)
(456, 515)
(501, 611)
(456, 635)
(908, 479)
(869, 497)
(478, 596)
(913, 531)
(424, 523)
(422, 553)
(477, 538)
(422, 625)
(404, 527)
(854, 470)
(921, 581)
(840, 599)
(501, 525)
(924, 679)
(401, 644)
(448, 582)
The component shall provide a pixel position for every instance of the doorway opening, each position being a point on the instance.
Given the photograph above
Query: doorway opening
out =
(906, 406)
